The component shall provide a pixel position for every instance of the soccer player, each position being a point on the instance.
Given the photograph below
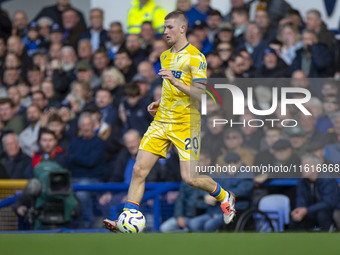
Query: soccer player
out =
(177, 119)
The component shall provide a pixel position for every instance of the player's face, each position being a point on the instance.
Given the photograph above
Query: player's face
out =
(171, 31)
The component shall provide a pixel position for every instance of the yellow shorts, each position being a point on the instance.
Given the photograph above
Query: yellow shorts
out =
(185, 136)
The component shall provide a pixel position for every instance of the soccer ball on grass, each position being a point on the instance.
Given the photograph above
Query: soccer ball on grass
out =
(131, 221)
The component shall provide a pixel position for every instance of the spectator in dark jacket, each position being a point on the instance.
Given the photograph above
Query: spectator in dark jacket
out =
(17, 164)
(103, 101)
(85, 160)
(95, 32)
(273, 66)
(133, 111)
(73, 28)
(316, 198)
(314, 58)
(254, 44)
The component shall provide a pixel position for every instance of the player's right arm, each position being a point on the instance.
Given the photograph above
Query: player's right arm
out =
(153, 107)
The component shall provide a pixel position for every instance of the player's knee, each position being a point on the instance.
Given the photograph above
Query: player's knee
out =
(193, 182)
(139, 172)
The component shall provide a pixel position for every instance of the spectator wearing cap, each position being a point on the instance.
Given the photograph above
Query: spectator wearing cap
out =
(316, 198)
(239, 19)
(143, 84)
(11, 121)
(201, 30)
(254, 44)
(84, 73)
(116, 39)
(17, 164)
(273, 66)
(28, 138)
(233, 142)
(113, 80)
(73, 28)
(214, 19)
(55, 12)
(198, 11)
(124, 63)
(33, 41)
(133, 110)
(56, 34)
(314, 58)
(323, 123)
(298, 140)
(241, 184)
(96, 33)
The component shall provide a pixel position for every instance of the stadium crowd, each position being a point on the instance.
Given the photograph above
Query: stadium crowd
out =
(79, 94)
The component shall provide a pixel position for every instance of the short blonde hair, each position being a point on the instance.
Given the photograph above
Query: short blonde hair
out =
(116, 75)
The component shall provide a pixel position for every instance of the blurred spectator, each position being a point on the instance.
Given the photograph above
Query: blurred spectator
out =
(158, 47)
(100, 61)
(315, 23)
(254, 44)
(225, 34)
(298, 139)
(3, 48)
(14, 95)
(146, 70)
(145, 10)
(323, 123)
(24, 92)
(83, 91)
(235, 67)
(124, 63)
(214, 20)
(252, 135)
(48, 149)
(314, 58)
(198, 11)
(265, 155)
(69, 119)
(56, 125)
(39, 99)
(133, 110)
(248, 67)
(96, 33)
(224, 50)
(148, 36)
(64, 70)
(28, 138)
(262, 20)
(55, 51)
(56, 34)
(235, 4)
(84, 73)
(44, 27)
(32, 41)
(14, 45)
(12, 122)
(233, 142)
(103, 100)
(332, 151)
(10, 78)
(113, 80)
(316, 198)
(239, 19)
(19, 23)
(55, 12)
(115, 41)
(214, 61)
(307, 122)
(273, 66)
(85, 160)
(143, 85)
(200, 29)
(290, 37)
(40, 59)
(54, 99)
(73, 28)
(134, 48)
(17, 164)
(101, 128)
(35, 77)
(183, 5)
(84, 50)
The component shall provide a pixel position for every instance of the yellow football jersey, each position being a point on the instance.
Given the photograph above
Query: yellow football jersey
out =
(187, 65)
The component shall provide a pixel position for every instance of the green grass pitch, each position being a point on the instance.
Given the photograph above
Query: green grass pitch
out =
(174, 244)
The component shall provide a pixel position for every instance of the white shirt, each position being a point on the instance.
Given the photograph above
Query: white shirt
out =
(28, 139)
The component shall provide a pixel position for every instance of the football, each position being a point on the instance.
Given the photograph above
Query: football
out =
(131, 221)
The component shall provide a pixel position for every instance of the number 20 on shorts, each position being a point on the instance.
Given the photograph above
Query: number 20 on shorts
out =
(188, 143)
